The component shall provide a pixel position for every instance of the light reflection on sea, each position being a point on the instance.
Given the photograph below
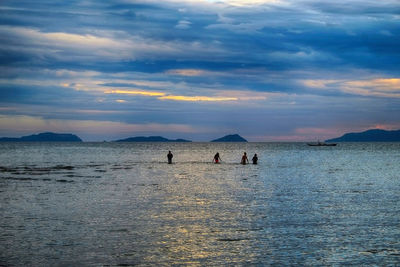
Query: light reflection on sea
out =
(121, 204)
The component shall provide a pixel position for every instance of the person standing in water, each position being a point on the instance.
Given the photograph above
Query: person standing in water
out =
(170, 156)
(244, 159)
(217, 158)
(255, 159)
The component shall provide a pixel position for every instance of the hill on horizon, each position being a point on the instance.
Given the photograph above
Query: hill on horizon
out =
(373, 135)
(150, 139)
(44, 137)
(230, 138)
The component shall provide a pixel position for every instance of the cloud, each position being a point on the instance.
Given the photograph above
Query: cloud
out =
(106, 45)
(243, 3)
(187, 72)
(384, 126)
(197, 98)
(360, 7)
(381, 87)
(250, 96)
(164, 96)
(216, 95)
(134, 92)
(54, 44)
(382, 84)
(215, 4)
(376, 87)
(183, 25)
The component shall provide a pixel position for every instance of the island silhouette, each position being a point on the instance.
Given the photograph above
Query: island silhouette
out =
(150, 139)
(44, 137)
(230, 138)
(226, 138)
(374, 135)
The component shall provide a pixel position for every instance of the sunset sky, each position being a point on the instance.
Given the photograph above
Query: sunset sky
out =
(269, 70)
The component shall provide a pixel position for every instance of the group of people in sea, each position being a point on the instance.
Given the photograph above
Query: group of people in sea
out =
(217, 158)
(244, 160)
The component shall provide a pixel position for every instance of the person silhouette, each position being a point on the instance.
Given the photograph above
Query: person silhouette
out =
(244, 159)
(217, 158)
(255, 159)
(170, 156)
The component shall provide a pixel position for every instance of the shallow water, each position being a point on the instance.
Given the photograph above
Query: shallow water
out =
(122, 204)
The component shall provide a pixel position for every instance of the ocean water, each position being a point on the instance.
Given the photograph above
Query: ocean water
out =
(121, 204)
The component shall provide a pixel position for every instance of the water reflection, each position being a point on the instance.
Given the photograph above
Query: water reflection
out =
(201, 217)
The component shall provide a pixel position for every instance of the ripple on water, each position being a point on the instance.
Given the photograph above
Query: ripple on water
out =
(124, 205)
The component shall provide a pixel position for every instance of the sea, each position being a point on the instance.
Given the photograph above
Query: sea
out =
(121, 204)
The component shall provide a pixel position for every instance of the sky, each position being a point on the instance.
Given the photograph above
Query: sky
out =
(269, 70)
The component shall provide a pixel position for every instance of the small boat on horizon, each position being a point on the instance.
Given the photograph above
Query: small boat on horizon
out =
(321, 144)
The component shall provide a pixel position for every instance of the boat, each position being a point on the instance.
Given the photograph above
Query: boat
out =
(321, 144)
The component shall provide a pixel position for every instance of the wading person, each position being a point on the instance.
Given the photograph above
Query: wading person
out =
(217, 158)
(170, 156)
(244, 159)
(255, 159)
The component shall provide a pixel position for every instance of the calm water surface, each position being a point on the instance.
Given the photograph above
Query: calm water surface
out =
(94, 204)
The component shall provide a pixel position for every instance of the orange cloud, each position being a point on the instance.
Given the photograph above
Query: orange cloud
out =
(164, 96)
(135, 92)
(197, 98)
(318, 83)
(392, 84)
(384, 126)
(382, 87)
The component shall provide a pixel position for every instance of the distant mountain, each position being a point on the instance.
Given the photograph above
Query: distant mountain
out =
(44, 137)
(375, 135)
(230, 138)
(150, 139)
